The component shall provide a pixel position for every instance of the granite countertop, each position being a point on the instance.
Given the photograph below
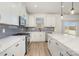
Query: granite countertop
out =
(9, 41)
(69, 41)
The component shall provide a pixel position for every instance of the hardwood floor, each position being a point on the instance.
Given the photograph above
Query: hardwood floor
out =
(38, 49)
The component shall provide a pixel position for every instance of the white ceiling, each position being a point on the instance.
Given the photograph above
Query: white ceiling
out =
(51, 7)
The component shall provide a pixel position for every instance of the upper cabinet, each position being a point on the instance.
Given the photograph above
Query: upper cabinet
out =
(32, 21)
(50, 20)
(10, 12)
(46, 20)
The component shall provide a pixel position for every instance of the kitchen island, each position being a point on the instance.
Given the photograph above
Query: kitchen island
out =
(63, 44)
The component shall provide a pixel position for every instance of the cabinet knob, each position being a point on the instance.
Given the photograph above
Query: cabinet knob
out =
(17, 45)
(12, 54)
(57, 43)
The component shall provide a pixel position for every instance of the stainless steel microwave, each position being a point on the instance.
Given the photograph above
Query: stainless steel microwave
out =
(22, 21)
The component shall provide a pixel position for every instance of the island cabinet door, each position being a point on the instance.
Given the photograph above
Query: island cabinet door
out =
(50, 44)
(55, 48)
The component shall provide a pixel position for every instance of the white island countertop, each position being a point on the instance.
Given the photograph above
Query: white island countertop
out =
(69, 41)
(9, 41)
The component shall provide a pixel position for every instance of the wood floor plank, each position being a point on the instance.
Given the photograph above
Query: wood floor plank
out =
(38, 49)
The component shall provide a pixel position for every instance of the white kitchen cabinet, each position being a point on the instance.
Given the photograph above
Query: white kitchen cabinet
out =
(53, 46)
(20, 48)
(8, 52)
(5, 53)
(37, 36)
(10, 12)
(50, 43)
(9, 19)
(32, 21)
(17, 49)
(10, 16)
(50, 21)
(59, 49)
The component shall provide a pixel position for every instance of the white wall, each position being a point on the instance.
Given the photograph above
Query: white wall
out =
(10, 12)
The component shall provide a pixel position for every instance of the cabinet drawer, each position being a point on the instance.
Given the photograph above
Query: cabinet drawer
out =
(7, 52)
(4, 53)
(64, 51)
(69, 52)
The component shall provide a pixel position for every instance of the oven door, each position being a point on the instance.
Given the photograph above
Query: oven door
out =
(27, 44)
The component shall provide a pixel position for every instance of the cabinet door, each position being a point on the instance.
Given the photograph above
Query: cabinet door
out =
(20, 48)
(33, 36)
(32, 22)
(37, 36)
(8, 52)
(50, 20)
(10, 15)
(5, 53)
(50, 44)
(55, 48)
(41, 36)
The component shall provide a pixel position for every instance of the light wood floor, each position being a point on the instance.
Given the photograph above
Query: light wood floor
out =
(38, 49)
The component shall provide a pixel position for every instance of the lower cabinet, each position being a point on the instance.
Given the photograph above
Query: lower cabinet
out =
(8, 52)
(20, 48)
(58, 49)
(50, 47)
(37, 36)
(17, 49)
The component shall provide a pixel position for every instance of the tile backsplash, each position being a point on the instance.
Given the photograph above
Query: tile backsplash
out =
(7, 30)
(45, 29)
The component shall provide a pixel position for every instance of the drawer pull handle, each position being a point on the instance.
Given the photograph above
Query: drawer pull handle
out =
(12, 54)
(17, 45)
(61, 54)
(5, 54)
(69, 54)
(23, 39)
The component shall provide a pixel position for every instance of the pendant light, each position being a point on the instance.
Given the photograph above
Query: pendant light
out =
(61, 11)
(72, 10)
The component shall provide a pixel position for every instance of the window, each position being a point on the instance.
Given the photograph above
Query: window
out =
(39, 21)
(70, 27)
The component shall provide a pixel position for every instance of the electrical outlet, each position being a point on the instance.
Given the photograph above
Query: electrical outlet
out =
(3, 30)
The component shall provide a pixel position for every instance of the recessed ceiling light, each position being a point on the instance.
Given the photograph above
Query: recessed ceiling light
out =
(35, 6)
